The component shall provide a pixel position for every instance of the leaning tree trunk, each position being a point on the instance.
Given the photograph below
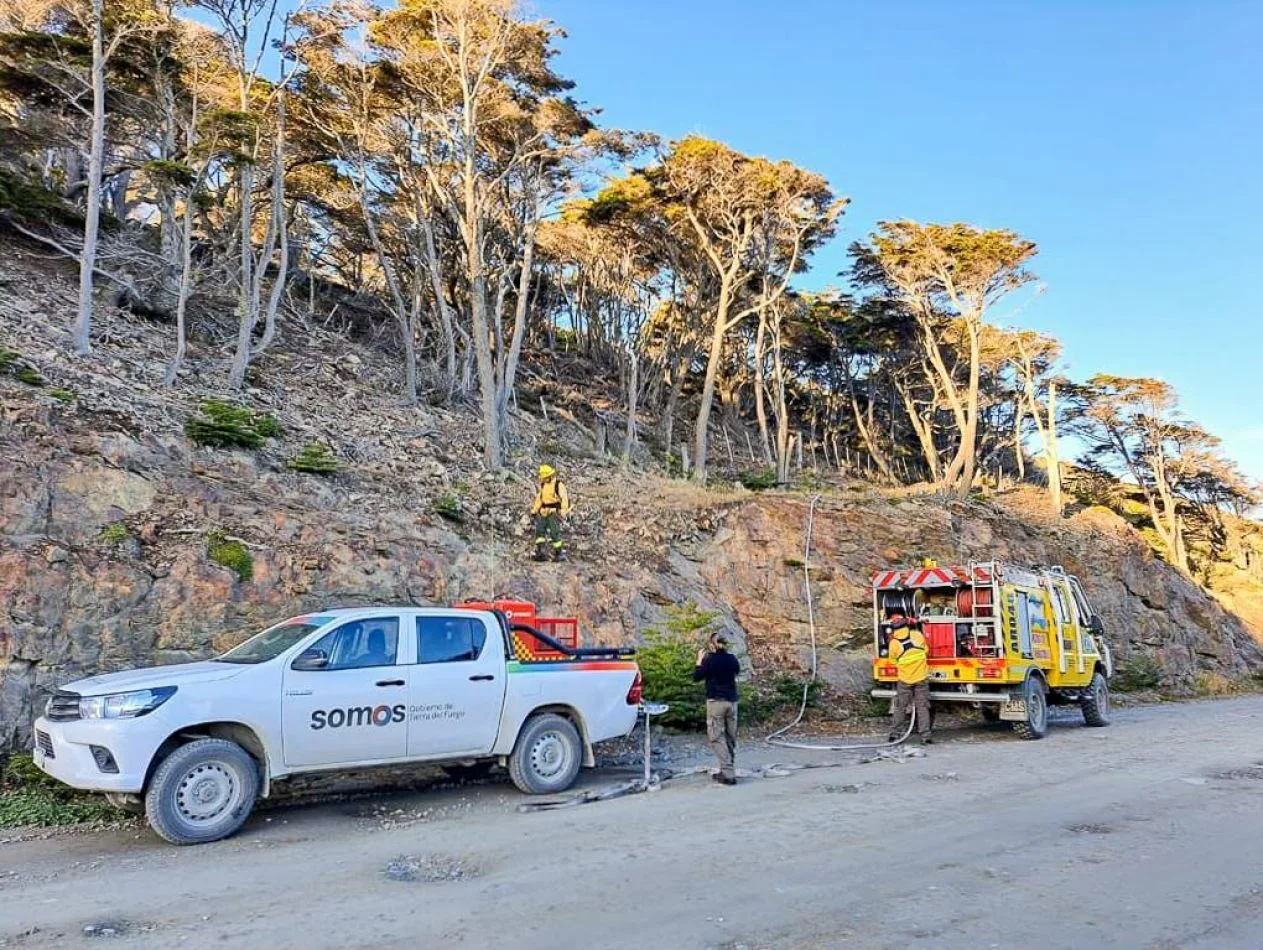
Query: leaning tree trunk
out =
(1051, 454)
(96, 162)
(245, 317)
(633, 394)
(182, 295)
(701, 429)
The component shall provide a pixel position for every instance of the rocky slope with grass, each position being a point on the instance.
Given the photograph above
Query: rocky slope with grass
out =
(123, 541)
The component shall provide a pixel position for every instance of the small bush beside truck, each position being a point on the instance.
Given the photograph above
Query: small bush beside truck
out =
(194, 745)
(1008, 640)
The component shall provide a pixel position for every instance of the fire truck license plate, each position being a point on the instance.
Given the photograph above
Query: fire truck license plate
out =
(1013, 711)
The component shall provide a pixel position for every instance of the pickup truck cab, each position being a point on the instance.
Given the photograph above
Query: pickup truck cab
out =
(194, 745)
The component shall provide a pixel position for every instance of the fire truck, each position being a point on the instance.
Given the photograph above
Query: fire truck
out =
(1005, 639)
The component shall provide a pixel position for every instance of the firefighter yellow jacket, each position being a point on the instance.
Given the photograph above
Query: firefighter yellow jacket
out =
(552, 498)
(908, 651)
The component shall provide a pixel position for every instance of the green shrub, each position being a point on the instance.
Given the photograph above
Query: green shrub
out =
(870, 708)
(758, 480)
(667, 661)
(28, 201)
(7, 359)
(784, 694)
(1142, 672)
(231, 554)
(115, 533)
(316, 458)
(1210, 684)
(450, 507)
(62, 395)
(29, 797)
(267, 425)
(224, 425)
(29, 375)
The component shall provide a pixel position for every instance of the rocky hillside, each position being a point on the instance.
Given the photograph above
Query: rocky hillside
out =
(123, 543)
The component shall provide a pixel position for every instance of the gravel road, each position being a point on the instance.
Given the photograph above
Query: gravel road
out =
(1148, 834)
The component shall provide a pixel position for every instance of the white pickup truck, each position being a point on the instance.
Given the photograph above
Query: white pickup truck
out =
(194, 745)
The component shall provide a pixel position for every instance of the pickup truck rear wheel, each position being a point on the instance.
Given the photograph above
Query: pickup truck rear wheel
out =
(1095, 701)
(203, 791)
(547, 755)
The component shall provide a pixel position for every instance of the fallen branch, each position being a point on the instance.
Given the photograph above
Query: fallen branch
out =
(56, 245)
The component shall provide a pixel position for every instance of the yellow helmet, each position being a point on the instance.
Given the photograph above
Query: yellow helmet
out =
(547, 471)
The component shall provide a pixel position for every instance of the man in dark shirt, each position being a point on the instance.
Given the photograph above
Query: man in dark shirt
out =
(719, 669)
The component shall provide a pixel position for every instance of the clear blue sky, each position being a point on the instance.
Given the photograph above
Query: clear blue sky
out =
(1126, 138)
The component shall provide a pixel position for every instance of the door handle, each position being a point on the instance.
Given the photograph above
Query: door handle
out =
(483, 678)
(390, 682)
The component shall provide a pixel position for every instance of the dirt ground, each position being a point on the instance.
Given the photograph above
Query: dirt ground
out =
(1148, 834)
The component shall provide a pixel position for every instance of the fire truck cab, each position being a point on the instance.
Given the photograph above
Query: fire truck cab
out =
(1008, 640)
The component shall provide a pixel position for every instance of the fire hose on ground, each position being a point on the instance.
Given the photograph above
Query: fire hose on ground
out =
(776, 737)
(650, 781)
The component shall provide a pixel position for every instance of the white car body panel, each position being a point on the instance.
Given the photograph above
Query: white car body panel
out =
(335, 719)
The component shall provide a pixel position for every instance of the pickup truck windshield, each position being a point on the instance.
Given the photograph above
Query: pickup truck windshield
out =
(268, 644)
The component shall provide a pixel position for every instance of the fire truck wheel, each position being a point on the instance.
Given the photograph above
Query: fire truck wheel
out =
(1036, 724)
(1095, 702)
(547, 756)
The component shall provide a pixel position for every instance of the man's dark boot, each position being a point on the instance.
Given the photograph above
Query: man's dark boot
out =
(540, 553)
(559, 554)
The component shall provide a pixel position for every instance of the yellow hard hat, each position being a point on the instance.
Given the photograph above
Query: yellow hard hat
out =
(547, 471)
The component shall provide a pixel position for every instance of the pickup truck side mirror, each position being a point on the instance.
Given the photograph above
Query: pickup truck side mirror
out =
(310, 660)
(1095, 626)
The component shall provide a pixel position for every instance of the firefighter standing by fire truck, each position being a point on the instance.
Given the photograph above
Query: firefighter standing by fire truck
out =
(552, 503)
(907, 650)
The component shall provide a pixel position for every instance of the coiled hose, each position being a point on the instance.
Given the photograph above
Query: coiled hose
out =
(776, 737)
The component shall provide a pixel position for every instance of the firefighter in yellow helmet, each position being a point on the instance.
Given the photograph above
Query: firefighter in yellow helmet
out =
(908, 651)
(552, 503)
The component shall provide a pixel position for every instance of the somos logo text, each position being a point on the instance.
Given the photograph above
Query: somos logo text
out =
(358, 716)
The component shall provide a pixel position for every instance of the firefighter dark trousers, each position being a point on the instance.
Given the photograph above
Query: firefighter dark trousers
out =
(548, 534)
(907, 696)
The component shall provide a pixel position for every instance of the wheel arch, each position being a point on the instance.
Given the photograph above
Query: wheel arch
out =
(243, 735)
(575, 718)
(1036, 673)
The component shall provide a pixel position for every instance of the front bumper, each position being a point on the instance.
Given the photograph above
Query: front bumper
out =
(64, 751)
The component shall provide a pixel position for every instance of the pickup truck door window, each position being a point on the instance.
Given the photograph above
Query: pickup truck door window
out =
(457, 688)
(348, 702)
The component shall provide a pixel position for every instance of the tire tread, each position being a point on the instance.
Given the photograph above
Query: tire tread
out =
(519, 767)
(181, 758)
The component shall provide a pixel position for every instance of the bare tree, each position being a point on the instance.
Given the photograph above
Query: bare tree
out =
(949, 277)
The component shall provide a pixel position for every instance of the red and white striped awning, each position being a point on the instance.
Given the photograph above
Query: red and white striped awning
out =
(945, 576)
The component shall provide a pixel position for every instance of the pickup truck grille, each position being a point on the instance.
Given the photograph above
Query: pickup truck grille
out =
(63, 706)
(45, 743)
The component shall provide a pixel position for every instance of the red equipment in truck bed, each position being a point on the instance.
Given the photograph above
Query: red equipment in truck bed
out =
(564, 630)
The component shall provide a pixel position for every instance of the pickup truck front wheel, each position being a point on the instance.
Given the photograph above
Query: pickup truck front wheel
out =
(203, 791)
(547, 756)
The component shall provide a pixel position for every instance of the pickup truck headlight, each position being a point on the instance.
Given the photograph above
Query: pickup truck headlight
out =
(124, 705)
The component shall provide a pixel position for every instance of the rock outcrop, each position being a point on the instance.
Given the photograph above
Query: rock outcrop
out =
(107, 513)
(104, 562)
